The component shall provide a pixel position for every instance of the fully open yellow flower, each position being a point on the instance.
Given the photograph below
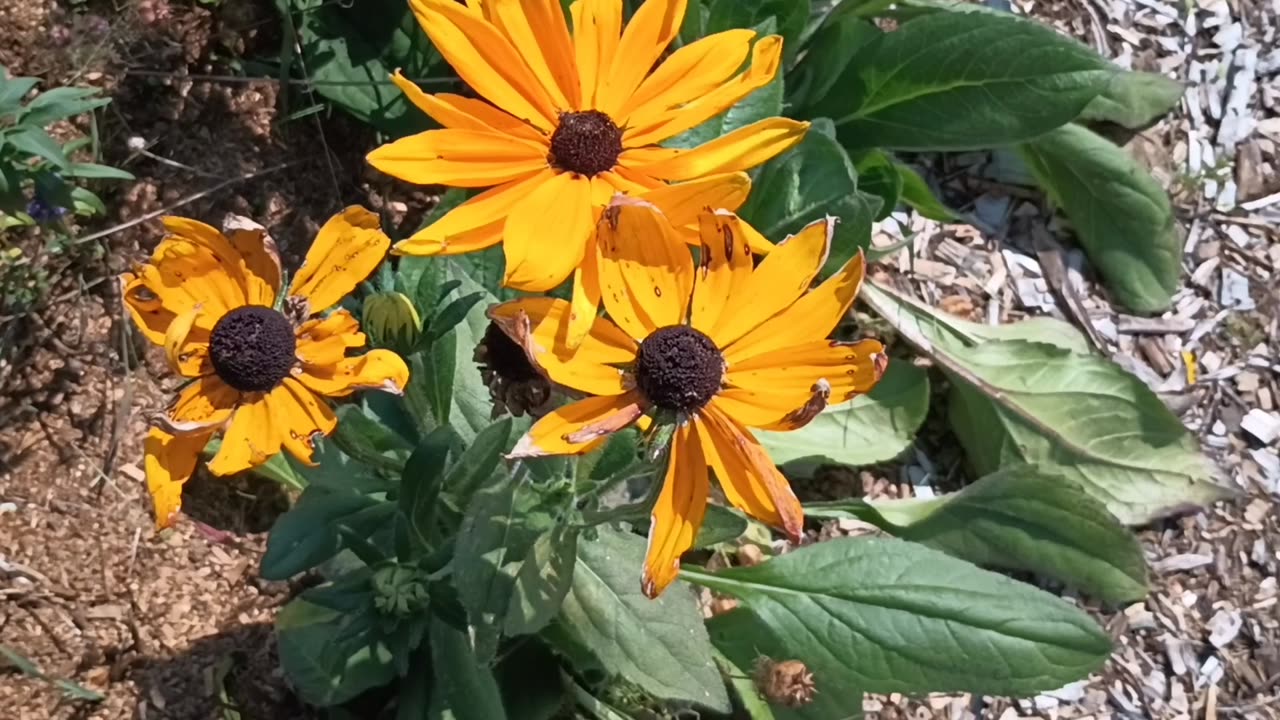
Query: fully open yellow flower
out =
(258, 372)
(724, 347)
(575, 118)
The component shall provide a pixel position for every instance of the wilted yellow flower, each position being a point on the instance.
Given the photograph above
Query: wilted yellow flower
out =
(722, 347)
(576, 117)
(257, 372)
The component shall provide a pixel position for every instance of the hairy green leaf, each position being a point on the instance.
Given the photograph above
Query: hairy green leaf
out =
(468, 688)
(1135, 99)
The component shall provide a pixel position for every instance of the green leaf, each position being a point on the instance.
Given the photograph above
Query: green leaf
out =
(93, 171)
(468, 688)
(479, 461)
(878, 176)
(421, 483)
(834, 44)
(917, 193)
(871, 428)
(60, 103)
(719, 525)
(900, 617)
(811, 181)
(86, 203)
(435, 383)
(542, 581)
(312, 531)
(963, 81)
(1080, 416)
(1135, 99)
(1121, 215)
(1019, 518)
(70, 690)
(660, 645)
(788, 16)
(332, 655)
(36, 142)
(369, 441)
(12, 90)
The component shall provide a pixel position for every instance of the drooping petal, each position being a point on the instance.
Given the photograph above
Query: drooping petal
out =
(590, 367)
(741, 149)
(646, 274)
(206, 403)
(537, 30)
(660, 123)
(687, 74)
(146, 308)
(345, 251)
(750, 480)
(461, 158)
(475, 224)
(253, 435)
(375, 370)
(652, 28)
(678, 513)
(586, 297)
(724, 268)
(193, 268)
(682, 203)
(303, 417)
(575, 428)
(814, 315)
(484, 59)
(186, 347)
(261, 259)
(169, 462)
(546, 234)
(464, 113)
(597, 26)
(323, 342)
(783, 276)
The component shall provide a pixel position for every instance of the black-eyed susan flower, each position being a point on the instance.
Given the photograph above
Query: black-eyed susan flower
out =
(572, 118)
(722, 348)
(260, 364)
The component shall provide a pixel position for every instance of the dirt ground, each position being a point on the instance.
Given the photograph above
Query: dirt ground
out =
(177, 625)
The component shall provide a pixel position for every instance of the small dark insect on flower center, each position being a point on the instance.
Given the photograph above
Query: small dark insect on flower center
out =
(252, 348)
(679, 368)
(586, 143)
(505, 358)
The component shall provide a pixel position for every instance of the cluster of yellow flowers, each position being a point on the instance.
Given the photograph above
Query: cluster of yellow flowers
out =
(578, 186)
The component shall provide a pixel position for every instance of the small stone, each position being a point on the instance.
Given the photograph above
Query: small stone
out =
(1263, 425)
(1224, 626)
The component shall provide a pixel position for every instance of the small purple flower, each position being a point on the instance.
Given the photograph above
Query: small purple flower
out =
(42, 212)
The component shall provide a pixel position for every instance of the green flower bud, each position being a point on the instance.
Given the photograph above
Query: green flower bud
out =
(391, 321)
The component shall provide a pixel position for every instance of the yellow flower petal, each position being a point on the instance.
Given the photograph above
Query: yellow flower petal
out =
(193, 272)
(204, 404)
(683, 202)
(375, 370)
(586, 297)
(658, 123)
(814, 315)
(546, 233)
(187, 348)
(576, 428)
(484, 59)
(750, 480)
(597, 26)
(783, 276)
(251, 438)
(589, 367)
(169, 462)
(724, 268)
(686, 75)
(345, 251)
(741, 149)
(646, 274)
(302, 415)
(146, 308)
(537, 30)
(678, 513)
(261, 259)
(475, 224)
(464, 113)
(461, 158)
(323, 342)
(851, 369)
(652, 28)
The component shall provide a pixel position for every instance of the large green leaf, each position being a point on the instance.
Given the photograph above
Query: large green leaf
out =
(811, 181)
(900, 617)
(962, 81)
(660, 645)
(1135, 99)
(332, 654)
(1020, 518)
(1076, 415)
(421, 483)
(467, 686)
(869, 429)
(1121, 215)
(312, 531)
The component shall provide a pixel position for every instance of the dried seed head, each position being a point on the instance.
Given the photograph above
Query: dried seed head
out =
(252, 348)
(679, 368)
(515, 385)
(787, 682)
